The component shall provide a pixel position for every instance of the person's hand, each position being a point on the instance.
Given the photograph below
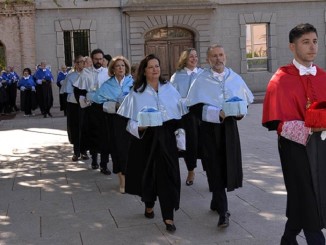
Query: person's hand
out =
(22, 88)
(222, 114)
(142, 128)
(39, 81)
(33, 89)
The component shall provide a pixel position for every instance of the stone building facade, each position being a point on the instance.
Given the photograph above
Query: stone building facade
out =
(17, 34)
(135, 28)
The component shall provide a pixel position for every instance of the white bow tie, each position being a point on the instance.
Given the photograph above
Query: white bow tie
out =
(306, 71)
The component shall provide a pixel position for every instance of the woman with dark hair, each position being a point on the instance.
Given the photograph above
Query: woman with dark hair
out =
(187, 71)
(152, 166)
(26, 86)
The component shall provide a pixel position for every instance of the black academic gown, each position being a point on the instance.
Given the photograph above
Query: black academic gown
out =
(191, 123)
(306, 203)
(221, 152)
(118, 139)
(153, 168)
(28, 101)
(73, 124)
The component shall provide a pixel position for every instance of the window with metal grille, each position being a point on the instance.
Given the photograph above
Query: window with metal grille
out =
(76, 43)
(256, 47)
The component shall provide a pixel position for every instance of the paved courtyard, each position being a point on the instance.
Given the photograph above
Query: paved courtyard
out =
(45, 198)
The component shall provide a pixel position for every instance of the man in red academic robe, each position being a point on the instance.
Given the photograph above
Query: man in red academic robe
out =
(302, 149)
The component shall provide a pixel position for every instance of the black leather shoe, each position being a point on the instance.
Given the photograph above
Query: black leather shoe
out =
(223, 221)
(74, 158)
(105, 171)
(50, 115)
(170, 227)
(149, 215)
(95, 165)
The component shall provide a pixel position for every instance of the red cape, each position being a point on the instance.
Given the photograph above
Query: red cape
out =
(287, 94)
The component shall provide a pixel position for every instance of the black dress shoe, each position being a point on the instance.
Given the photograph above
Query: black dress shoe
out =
(95, 165)
(74, 158)
(149, 215)
(50, 115)
(223, 221)
(105, 171)
(44, 115)
(170, 227)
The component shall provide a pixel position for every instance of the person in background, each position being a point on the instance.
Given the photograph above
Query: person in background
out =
(62, 98)
(152, 165)
(221, 150)
(73, 110)
(107, 100)
(3, 93)
(44, 79)
(27, 85)
(90, 79)
(187, 71)
(13, 78)
(106, 61)
(302, 149)
(133, 70)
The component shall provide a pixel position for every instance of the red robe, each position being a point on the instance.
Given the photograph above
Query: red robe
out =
(303, 167)
(287, 95)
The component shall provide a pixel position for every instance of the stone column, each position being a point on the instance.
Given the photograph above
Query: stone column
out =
(26, 19)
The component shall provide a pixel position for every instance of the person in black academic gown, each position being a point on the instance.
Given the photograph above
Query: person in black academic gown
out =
(187, 71)
(44, 79)
(26, 86)
(152, 165)
(221, 151)
(107, 99)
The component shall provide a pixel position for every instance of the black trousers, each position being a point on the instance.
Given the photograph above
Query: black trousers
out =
(313, 237)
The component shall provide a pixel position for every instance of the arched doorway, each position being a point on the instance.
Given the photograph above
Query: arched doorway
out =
(2, 56)
(168, 43)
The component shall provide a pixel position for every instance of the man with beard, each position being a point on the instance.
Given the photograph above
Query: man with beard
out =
(93, 129)
(221, 151)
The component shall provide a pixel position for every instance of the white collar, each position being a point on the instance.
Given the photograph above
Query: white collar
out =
(303, 70)
(195, 70)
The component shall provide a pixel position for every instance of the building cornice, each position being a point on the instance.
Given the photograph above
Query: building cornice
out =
(20, 9)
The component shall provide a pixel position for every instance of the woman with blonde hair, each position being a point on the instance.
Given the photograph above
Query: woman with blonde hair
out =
(187, 71)
(108, 98)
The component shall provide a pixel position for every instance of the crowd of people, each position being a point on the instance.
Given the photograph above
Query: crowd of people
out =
(35, 90)
(104, 105)
(146, 123)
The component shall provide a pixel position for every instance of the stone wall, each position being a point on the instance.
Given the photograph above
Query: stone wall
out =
(17, 34)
